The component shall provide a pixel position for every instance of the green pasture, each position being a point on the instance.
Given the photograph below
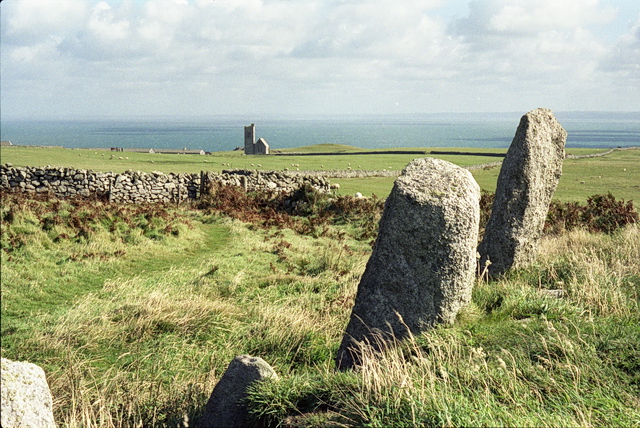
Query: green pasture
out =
(103, 160)
(618, 172)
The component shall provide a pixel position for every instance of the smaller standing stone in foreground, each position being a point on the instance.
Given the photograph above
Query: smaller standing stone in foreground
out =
(26, 398)
(422, 268)
(528, 178)
(226, 407)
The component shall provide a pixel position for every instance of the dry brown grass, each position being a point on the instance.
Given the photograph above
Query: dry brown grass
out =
(596, 270)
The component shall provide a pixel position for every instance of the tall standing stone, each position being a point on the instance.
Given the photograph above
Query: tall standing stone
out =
(528, 178)
(226, 407)
(422, 268)
(26, 398)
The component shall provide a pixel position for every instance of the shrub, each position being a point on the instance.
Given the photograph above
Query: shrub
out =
(305, 210)
(602, 213)
(562, 217)
(486, 203)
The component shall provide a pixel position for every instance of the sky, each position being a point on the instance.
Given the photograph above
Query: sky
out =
(68, 59)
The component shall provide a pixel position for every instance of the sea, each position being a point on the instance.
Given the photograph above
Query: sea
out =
(223, 133)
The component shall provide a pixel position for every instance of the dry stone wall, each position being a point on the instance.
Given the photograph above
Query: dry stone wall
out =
(281, 181)
(346, 173)
(139, 187)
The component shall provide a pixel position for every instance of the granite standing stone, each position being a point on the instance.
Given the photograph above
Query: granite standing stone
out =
(26, 398)
(528, 178)
(421, 271)
(225, 407)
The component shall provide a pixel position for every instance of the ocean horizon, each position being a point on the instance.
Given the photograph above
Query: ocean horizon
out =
(224, 133)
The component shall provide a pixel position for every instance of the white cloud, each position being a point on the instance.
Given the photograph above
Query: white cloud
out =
(624, 59)
(307, 55)
(526, 17)
(32, 20)
(106, 27)
(513, 18)
(544, 42)
(364, 29)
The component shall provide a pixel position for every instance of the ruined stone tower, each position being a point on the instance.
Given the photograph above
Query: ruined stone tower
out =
(249, 139)
(251, 147)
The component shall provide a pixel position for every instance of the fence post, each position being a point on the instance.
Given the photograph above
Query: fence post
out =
(202, 184)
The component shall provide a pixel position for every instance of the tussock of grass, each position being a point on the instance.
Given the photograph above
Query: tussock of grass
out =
(549, 375)
(599, 272)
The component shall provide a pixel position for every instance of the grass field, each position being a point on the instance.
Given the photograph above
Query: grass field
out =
(618, 173)
(217, 161)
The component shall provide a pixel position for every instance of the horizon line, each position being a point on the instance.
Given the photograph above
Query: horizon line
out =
(272, 116)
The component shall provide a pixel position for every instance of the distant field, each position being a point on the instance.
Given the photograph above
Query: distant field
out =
(618, 173)
(100, 160)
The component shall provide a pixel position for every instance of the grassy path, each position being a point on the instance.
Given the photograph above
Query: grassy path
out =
(32, 291)
(215, 237)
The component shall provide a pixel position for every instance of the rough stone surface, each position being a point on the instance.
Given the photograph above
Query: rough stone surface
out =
(26, 398)
(421, 271)
(528, 178)
(136, 186)
(225, 407)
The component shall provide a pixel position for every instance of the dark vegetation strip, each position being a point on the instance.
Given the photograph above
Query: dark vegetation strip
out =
(309, 212)
(85, 216)
(497, 155)
(384, 152)
(305, 210)
(601, 213)
(395, 152)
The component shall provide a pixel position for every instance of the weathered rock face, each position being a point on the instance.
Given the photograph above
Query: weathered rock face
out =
(225, 407)
(528, 178)
(26, 398)
(421, 271)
